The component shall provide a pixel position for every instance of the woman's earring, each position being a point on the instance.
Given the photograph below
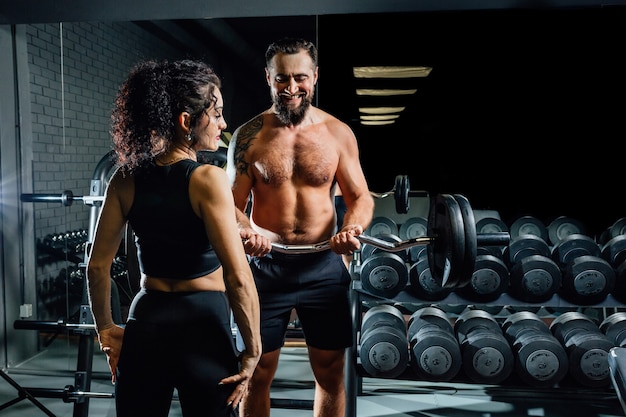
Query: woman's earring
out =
(189, 138)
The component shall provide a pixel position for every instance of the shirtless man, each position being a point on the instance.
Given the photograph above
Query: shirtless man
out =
(287, 162)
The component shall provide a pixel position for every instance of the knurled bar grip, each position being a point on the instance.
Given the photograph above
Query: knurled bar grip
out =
(376, 242)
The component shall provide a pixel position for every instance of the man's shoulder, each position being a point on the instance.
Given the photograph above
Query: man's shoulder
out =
(250, 128)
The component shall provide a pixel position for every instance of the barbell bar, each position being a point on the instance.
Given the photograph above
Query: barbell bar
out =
(66, 198)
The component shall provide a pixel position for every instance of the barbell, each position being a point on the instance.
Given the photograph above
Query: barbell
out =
(66, 198)
(452, 241)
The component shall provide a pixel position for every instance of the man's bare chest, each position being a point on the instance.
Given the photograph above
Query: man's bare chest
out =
(308, 164)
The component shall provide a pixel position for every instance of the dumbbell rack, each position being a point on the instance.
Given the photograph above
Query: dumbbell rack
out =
(358, 297)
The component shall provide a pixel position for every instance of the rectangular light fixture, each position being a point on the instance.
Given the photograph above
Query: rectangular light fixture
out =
(380, 110)
(377, 122)
(391, 72)
(379, 116)
(384, 92)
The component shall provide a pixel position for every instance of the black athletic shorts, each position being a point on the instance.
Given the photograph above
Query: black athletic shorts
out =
(317, 286)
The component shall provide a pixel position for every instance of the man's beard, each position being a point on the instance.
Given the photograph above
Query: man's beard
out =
(288, 115)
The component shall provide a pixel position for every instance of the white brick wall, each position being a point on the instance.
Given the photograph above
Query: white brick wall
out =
(71, 114)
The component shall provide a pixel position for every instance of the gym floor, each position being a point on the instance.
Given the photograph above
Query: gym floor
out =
(292, 393)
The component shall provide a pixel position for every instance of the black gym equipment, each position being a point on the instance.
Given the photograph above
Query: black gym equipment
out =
(587, 348)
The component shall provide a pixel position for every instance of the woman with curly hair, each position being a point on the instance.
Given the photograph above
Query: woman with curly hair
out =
(194, 271)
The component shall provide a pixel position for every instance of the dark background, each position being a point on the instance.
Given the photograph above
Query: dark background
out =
(523, 111)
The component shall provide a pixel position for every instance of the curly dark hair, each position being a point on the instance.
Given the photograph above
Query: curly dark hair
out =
(291, 46)
(149, 101)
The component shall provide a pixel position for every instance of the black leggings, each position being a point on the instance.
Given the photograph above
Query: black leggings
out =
(179, 341)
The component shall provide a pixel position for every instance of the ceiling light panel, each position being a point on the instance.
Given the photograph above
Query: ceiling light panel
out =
(391, 72)
(384, 92)
(380, 110)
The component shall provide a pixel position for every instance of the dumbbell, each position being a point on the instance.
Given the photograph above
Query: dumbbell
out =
(529, 225)
(487, 357)
(540, 359)
(586, 346)
(533, 276)
(435, 354)
(489, 281)
(614, 252)
(421, 282)
(587, 278)
(563, 226)
(383, 348)
(614, 327)
(384, 274)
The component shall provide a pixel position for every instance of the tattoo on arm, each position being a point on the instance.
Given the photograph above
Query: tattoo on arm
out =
(246, 135)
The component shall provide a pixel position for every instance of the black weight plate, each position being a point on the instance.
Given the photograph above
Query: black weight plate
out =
(469, 226)
(401, 194)
(381, 225)
(563, 226)
(529, 225)
(491, 225)
(447, 250)
(413, 227)
(384, 352)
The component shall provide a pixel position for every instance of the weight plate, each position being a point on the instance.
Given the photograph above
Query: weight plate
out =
(447, 250)
(491, 225)
(469, 226)
(401, 194)
(529, 225)
(381, 225)
(563, 226)
(413, 227)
